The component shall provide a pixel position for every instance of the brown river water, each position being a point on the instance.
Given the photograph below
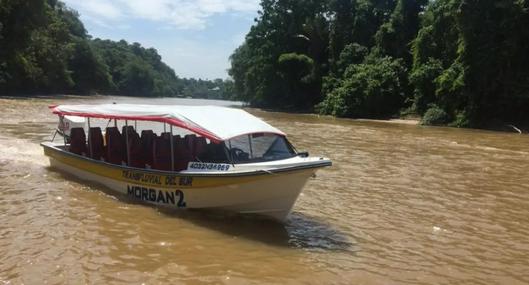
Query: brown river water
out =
(402, 204)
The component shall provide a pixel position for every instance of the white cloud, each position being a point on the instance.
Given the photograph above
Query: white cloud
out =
(179, 29)
(181, 14)
(99, 8)
(190, 58)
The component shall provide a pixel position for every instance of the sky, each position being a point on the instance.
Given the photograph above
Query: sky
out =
(195, 38)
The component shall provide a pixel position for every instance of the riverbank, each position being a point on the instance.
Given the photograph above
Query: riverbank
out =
(413, 122)
(494, 125)
(406, 120)
(497, 127)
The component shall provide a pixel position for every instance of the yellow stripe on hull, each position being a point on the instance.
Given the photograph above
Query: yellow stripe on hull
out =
(149, 178)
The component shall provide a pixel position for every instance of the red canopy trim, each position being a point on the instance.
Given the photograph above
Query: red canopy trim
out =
(174, 122)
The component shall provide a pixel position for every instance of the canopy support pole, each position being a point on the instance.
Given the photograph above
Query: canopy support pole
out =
(54, 134)
(115, 123)
(61, 119)
(135, 125)
(127, 141)
(172, 148)
(89, 138)
(230, 157)
(250, 143)
(164, 130)
(227, 153)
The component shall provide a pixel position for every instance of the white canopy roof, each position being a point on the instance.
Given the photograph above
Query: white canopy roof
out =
(213, 122)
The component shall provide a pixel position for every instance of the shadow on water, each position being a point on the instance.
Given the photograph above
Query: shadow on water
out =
(298, 231)
(310, 233)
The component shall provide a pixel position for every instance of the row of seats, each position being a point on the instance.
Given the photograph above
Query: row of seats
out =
(147, 149)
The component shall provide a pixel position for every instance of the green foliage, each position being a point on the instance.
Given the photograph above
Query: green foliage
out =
(341, 28)
(136, 71)
(46, 49)
(91, 73)
(394, 36)
(297, 53)
(137, 79)
(351, 54)
(493, 34)
(461, 120)
(423, 79)
(297, 70)
(198, 88)
(467, 58)
(470, 59)
(450, 86)
(298, 30)
(456, 62)
(434, 53)
(435, 116)
(295, 66)
(370, 89)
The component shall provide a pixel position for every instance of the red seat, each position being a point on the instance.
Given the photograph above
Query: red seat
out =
(130, 128)
(182, 155)
(147, 141)
(131, 133)
(77, 141)
(162, 153)
(190, 143)
(114, 151)
(214, 152)
(95, 143)
(166, 135)
(199, 147)
(135, 151)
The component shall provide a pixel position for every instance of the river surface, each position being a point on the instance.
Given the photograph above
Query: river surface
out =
(402, 204)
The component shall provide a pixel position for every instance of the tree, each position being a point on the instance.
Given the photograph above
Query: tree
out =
(435, 75)
(341, 28)
(46, 49)
(395, 36)
(18, 19)
(283, 27)
(90, 74)
(369, 90)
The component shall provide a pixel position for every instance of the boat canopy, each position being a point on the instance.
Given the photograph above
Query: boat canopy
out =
(213, 122)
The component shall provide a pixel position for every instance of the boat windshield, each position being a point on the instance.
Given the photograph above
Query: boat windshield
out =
(259, 147)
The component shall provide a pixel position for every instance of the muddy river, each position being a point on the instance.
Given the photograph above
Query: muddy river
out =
(402, 204)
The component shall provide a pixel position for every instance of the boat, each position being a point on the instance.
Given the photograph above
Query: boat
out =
(204, 157)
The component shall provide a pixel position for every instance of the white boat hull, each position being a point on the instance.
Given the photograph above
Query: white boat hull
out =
(272, 194)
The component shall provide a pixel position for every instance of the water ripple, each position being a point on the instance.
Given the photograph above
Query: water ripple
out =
(401, 205)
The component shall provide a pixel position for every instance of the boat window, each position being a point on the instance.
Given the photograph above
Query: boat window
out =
(259, 147)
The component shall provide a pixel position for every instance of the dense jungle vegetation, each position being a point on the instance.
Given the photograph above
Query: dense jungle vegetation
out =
(44, 48)
(457, 62)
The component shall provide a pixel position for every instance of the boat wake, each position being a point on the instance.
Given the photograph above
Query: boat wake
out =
(21, 151)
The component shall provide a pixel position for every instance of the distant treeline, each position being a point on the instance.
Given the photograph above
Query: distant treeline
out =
(44, 48)
(456, 62)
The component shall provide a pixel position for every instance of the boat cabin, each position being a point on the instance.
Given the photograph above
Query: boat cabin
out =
(169, 138)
